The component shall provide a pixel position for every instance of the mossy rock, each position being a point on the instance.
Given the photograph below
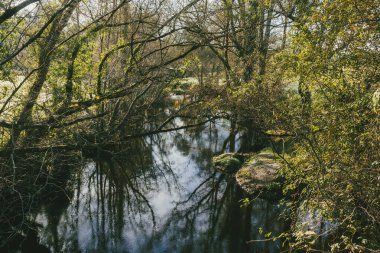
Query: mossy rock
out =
(259, 175)
(228, 162)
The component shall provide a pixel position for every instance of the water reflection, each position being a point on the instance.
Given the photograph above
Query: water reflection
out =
(163, 198)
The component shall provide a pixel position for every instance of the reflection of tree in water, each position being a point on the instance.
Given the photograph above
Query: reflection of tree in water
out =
(49, 192)
(211, 219)
(42, 179)
(104, 204)
(110, 194)
(200, 143)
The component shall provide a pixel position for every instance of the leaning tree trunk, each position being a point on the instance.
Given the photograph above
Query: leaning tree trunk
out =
(44, 65)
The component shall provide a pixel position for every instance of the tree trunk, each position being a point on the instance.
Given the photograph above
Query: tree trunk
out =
(44, 62)
(264, 45)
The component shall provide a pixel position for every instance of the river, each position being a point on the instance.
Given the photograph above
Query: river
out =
(161, 196)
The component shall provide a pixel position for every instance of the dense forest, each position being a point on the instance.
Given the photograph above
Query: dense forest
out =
(105, 80)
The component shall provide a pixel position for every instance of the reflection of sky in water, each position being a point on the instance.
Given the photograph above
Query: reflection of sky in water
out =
(102, 219)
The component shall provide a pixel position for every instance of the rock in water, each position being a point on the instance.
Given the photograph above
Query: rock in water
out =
(260, 174)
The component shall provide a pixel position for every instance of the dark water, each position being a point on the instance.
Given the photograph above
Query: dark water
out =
(162, 196)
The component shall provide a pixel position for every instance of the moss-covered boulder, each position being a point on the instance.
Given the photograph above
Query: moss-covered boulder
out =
(260, 175)
(228, 162)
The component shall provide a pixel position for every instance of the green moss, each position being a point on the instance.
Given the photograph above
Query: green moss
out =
(229, 162)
